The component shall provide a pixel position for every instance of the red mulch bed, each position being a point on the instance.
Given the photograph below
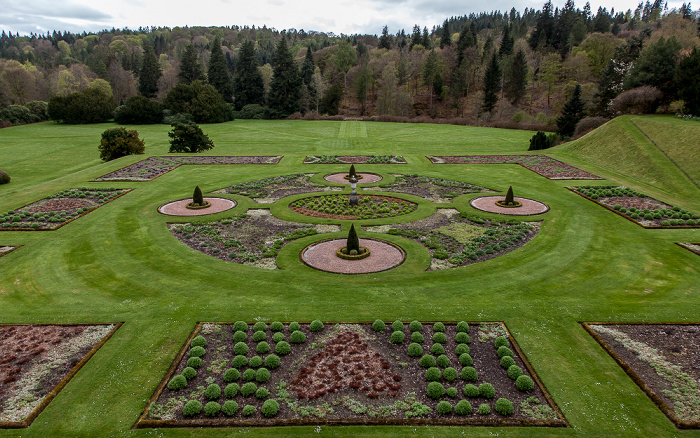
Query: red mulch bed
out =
(540, 164)
(529, 206)
(322, 256)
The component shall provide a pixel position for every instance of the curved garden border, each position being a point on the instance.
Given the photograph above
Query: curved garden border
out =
(367, 178)
(179, 208)
(488, 204)
(329, 260)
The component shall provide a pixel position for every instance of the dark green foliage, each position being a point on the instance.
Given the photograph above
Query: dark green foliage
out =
(285, 87)
(255, 362)
(524, 383)
(435, 390)
(277, 337)
(283, 348)
(229, 408)
(297, 337)
(248, 86)
(352, 171)
(574, 110)
(294, 326)
(202, 101)
(397, 326)
(539, 141)
(450, 374)
(443, 361)
(316, 326)
(276, 326)
(462, 327)
(469, 374)
(330, 102)
(470, 390)
(91, 105)
(178, 382)
(433, 374)
(504, 351)
(437, 349)
(427, 361)
(213, 391)
(149, 74)
(139, 110)
(197, 352)
(444, 408)
(248, 389)
(231, 375)
(439, 327)
(486, 390)
(439, 337)
(259, 335)
(417, 337)
(460, 349)
(515, 80)
(463, 407)
(190, 68)
(492, 85)
(240, 348)
(194, 362)
(353, 242)
(240, 326)
(118, 142)
(507, 362)
(415, 326)
(397, 337)
(484, 409)
(262, 347)
(197, 197)
(272, 361)
(687, 80)
(261, 393)
(248, 410)
(270, 408)
(504, 406)
(198, 341)
(451, 392)
(465, 359)
(500, 341)
(188, 137)
(211, 409)
(656, 66)
(217, 73)
(514, 372)
(259, 326)
(462, 338)
(239, 336)
(379, 326)
(262, 375)
(239, 361)
(191, 408)
(231, 390)
(509, 196)
(18, 115)
(189, 373)
(415, 350)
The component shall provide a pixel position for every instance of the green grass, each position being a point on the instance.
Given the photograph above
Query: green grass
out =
(120, 263)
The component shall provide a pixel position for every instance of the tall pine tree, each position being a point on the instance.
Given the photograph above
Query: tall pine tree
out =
(446, 36)
(150, 73)
(248, 86)
(572, 113)
(516, 78)
(190, 68)
(492, 84)
(218, 74)
(385, 39)
(285, 88)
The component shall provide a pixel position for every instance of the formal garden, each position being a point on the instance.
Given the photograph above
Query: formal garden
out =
(269, 286)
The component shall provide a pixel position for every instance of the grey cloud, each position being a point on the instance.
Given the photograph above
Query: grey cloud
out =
(47, 15)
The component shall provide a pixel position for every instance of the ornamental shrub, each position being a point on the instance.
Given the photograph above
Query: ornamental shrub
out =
(514, 372)
(276, 326)
(415, 326)
(198, 341)
(118, 142)
(139, 110)
(231, 375)
(397, 337)
(500, 341)
(439, 327)
(240, 348)
(194, 362)
(433, 374)
(239, 336)
(188, 137)
(283, 348)
(272, 361)
(463, 407)
(92, 105)
(504, 351)
(294, 326)
(524, 383)
(261, 393)
(437, 349)
(297, 337)
(259, 336)
(461, 349)
(192, 407)
(211, 409)
(417, 337)
(229, 408)
(486, 390)
(444, 408)
(262, 347)
(4, 177)
(507, 362)
(451, 392)
(231, 390)
(484, 409)
(262, 375)
(248, 375)
(259, 326)
(465, 359)
(397, 326)
(189, 373)
(469, 374)
(470, 390)
(316, 326)
(379, 326)
(462, 327)
(278, 337)
(241, 326)
(213, 391)
(239, 361)
(270, 408)
(504, 406)
(427, 361)
(435, 390)
(255, 362)
(197, 352)
(248, 410)
(201, 100)
(415, 350)
(178, 382)
(443, 361)
(248, 389)
(440, 338)
(462, 338)
(450, 374)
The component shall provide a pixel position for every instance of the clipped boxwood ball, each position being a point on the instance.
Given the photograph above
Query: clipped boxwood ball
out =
(437, 349)
(213, 391)
(259, 326)
(248, 375)
(463, 407)
(524, 383)
(415, 326)
(231, 375)
(259, 336)
(189, 373)
(504, 406)
(427, 361)
(433, 374)
(465, 359)
(460, 349)
(240, 326)
(500, 341)
(417, 337)
(504, 351)
(462, 327)
(283, 348)
(178, 382)
(439, 338)
(194, 362)
(450, 374)
(248, 410)
(435, 390)
(514, 372)
(192, 407)
(297, 337)
(397, 326)
(439, 327)
(239, 336)
(277, 337)
(197, 352)
(379, 326)
(262, 347)
(294, 326)
(316, 326)
(239, 361)
(469, 374)
(248, 389)
(444, 408)
(276, 326)
(397, 337)
(451, 392)
(240, 348)
(484, 409)
(470, 390)
(415, 350)
(231, 390)
(443, 361)
(486, 390)
(229, 408)
(507, 362)
(262, 393)
(211, 409)
(255, 362)
(462, 338)
(198, 341)
(272, 361)
(262, 375)
(270, 408)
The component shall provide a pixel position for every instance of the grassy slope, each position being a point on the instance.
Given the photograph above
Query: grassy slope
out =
(119, 263)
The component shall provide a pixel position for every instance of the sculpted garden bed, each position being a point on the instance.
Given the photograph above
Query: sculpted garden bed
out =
(153, 167)
(455, 239)
(337, 207)
(58, 209)
(433, 189)
(663, 359)
(6, 249)
(253, 238)
(540, 164)
(269, 190)
(354, 159)
(37, 361)
(345, 373)
(638, 207)
(694, 247)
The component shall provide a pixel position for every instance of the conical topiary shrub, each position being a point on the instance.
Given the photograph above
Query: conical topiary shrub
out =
(353, 240)
(509, 201)
(509, 196)
(197, 197)
(352, 171)
(352, 249)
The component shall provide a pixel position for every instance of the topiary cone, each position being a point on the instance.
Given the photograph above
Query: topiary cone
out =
(197, 197)
(353, 240)
(352, 171)
(509, 196)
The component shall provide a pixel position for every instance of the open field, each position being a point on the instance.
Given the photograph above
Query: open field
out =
(121, 263)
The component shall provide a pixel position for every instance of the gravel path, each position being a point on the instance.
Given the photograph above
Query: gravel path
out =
(382, 256)
(179, 208)
(488, 203)
(367, 178)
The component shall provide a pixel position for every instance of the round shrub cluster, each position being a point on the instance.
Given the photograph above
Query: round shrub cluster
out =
(462, 349)
(433, 374)
(255, 362)
(259, 336)
(504, 406)
(397, 337)
(240, 326)
(469, 374)
(417, 337)
(229, 408)
(262, 347)
(4, 177)
(231, 390)
(465, 359)
(504, 351)
(197, 352)
(507, 362)
(379, 326)
(231, 375)
(198, 341)
(435, 390)
(397, 326)
(277, 337)
(484, 409)
(463, 407)
(248, 375)
(450, 374)
(240, 348)
(262, 375)
(462, 327)
(239, 361)
(486, 390)
(248, 389)
(259, 326)
(211, 409)
(248, 410)
(427, 361)
(444, 408)
(194, 362)
(189, 373)
(192, 407)
(514, 372)
(470, 390)
(297, 337)
(462, 338)
(276, 326)
(500, 341)
(443, 361)
(178, 382)
(262, 393)
(239, 336)
(283, 348)
(415, 350)
(451, 392)
(294, 326)
(316, 326)
(415, 326)
(440, 338)
(213, 391)
(439, 327)
(437, 349)
(524, 383)
(272, 361)
(270, 408)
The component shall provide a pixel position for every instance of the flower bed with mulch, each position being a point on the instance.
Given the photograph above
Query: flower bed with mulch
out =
(663, 359)
(269, 190)
(338, 207)
(638, 207)
(540, 164)
(350, 373)
(37, 361)
(153, 167)
(253, 238)
(58, 209)
(433, 189)
(354, 159)
(455, 239)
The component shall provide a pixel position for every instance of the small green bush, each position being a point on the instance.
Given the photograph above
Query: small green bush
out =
(462, 327)
(276, 326)
(397, 326)
(504, 406)
(272, 361)
(231, 375)
(239, 361)
(259, 336)
(4, 177)
(415, 326)
(239, 336)
(192, 407)
(415, 350)
(316, 326)
(198, 341)
(500, 341)
(514, 372)
(294, 326)
(469, 374)
(437, 349)
(229, 408)
(118, 142)
(462, 338)
(379, 326)
(278, 337)
(433, 374)
(189, 373)
(241, 326)
(486, 390)
(248, 389)
(262, 393)
(188, 137)
(283, 348)
(451, 392)
(240, 348)
(197, 352)
(262, 375)
(507, 362)
(248, 410)
(443, 361)
(484, 409)
(248, 375)
(297, 337)
(524, 383)
(462, 349)
(439, 338)
(450, 374)
(439, 327)
(465, 359)
(270, 408)
(504, 351)
(255, 362)
(194, 362)
(231, 390)
(427, 361)
(397, 337)
(444, 408)
(178, 382)
(213, 391)
(262, 347)
(470, 390)
(211, 409)
(259, 326)
(435, 390)
(417, 337)
(463, 407)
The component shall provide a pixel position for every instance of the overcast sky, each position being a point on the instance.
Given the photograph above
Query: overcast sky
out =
(340, 16)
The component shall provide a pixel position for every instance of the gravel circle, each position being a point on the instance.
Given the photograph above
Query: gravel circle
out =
(529, 207)
(179, 208)
(367, 178)
(383, 256)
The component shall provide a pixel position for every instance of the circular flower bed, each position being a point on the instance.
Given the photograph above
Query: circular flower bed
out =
(322, 256)
(180, 208)
(364, 178)
(529, 206)
(338, 207)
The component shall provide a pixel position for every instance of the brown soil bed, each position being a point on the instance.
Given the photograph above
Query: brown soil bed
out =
(529, 206)
(37, 361)
(663, 359)
(153, 167)
(339, 178)
(349, 374)
(433, 189)
(354, 159)
(269, 190)
(322, 256)
(369, 207)
(179, 208)
(540, 164)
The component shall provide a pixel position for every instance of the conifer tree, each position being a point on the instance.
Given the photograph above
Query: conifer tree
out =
(415, 37)
(218, 74)
(573, 111)
(190, 68)
(385, 39)
(308, 67)
(446, 37)
(150, 73)
(285, 88)
(248, 86)
(688, 82)
(516, 78)
(425, 40)
(506, 42)
(353, 241)
(492, 84)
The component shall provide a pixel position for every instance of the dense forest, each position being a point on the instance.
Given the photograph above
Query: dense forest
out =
(530, 69)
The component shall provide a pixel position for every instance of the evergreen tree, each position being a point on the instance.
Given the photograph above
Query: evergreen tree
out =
(285, 88)
(446, 38)
(385, 39)
(656, 66)
(190, 68)
(430, 70)
(218, 74)
(353, 242)
(466, 40)
(506, 43)
(150, 73)
(573, 111)
(516, 78)
(492, 84)
(308, 67)
(248, 86)
(688, 82)
(544, 28)
(415, 37)
(425, 40)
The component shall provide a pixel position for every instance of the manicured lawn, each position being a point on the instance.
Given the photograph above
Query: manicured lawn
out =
(120, 263)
